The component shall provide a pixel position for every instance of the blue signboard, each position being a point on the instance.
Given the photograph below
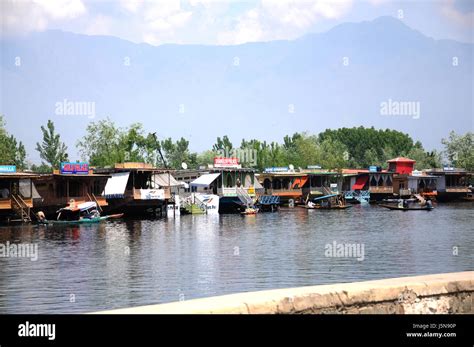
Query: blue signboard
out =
(75, 168)
(7, 168)
(276, 169)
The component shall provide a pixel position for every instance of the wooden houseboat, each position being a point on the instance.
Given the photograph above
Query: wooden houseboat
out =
(17, 195)
(226, 178)
(452, 183)
(137, 189)
(73, 181)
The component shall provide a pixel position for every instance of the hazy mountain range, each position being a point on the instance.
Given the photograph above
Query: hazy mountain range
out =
(257, 90)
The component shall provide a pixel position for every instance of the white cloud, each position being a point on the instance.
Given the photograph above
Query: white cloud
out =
(449, 10)
(100, 25)
(61, 9)
(23, 16)
(282, 19)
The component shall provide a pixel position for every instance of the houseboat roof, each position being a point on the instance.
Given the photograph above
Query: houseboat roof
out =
(283, 174)
(363, 171)
(19, 175)
(452, 171)
(401, 160)
(78, 175)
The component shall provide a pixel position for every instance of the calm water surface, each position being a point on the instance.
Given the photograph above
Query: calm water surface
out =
(137, 262)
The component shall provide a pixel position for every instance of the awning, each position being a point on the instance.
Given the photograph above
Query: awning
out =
(257, 185)
(164, 180)
(25, 189)
(360, 182)
(87, 205)
(115, 187)
(204, 180)
(299, 182)
(324, 197)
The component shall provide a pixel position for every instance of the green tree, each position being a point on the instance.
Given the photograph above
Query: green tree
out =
(12, 152)
(52, 150)
(106, 144)
(459, 150)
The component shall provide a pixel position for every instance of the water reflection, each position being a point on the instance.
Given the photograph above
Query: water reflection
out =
(136, 262)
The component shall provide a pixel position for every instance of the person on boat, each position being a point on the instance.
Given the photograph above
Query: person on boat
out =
(41, 216)
(72, 204)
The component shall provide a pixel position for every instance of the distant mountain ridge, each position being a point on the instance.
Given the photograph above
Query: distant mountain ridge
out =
(256, 90)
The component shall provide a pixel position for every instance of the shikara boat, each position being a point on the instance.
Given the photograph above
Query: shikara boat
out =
(83, 220)
(421, 208)
(250, 211)
(84, 213)
(328, 202)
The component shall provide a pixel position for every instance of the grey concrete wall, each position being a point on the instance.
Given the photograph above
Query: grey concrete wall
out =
(439, 293)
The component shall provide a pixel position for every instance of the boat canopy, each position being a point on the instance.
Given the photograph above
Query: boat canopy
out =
(360, 182)
(164, 180)
(325, 197)
(25, 189)
(204, 180)
(87, 205)
(116, 185)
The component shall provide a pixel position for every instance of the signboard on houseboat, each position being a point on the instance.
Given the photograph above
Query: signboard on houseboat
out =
(7, 168)
(69, 168)
(226, 162)
(152, 194)
(276, 169)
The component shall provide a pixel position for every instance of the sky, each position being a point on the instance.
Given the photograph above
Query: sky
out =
(217, 22)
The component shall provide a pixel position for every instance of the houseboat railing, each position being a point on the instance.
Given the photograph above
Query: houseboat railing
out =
(375, 189)
(21, 208)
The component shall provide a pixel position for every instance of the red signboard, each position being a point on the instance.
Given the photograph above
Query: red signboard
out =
(226, 161)
(74, 168)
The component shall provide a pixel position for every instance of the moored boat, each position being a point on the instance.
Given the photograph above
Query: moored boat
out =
(394, 207)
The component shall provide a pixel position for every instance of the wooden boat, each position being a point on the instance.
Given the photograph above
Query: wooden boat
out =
(83, 220)
(393, 207)
(320, 207)
(250, 211)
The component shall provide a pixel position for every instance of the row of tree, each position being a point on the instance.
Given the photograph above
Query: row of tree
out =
(106, 144)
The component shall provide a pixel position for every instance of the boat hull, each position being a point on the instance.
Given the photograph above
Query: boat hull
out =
(407, 208)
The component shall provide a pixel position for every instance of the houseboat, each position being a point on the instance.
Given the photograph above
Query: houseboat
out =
(138, 189)
(17, 194)
(452, 183)
(234, 185)
(73, 181)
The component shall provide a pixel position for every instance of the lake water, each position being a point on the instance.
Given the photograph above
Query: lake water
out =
(137, 262)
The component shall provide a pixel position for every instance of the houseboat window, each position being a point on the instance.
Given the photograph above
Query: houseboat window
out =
(229, 180)
(316, 181)
(75, 188)
(248, 180)
(373, 181)
(276, 184)
(267, 184)
(61, 189)
(389, 181)
(286, 183)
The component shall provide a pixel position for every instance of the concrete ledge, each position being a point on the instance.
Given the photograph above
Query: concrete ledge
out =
(439, 293)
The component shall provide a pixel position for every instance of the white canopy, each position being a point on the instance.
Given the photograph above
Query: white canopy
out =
(25, 189)
(115, 187)
(204, 180)
(164, 180)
